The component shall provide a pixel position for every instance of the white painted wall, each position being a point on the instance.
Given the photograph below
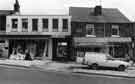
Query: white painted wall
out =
(40, 31)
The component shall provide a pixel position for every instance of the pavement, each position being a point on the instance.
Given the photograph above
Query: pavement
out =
(48, 65)
(22, 63)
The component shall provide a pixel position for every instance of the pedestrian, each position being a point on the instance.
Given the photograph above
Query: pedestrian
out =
(127, 57)
(28, 57)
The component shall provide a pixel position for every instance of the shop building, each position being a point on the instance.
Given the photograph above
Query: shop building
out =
(38, 36)
(100, 30)
(41, 35)
(3, 42)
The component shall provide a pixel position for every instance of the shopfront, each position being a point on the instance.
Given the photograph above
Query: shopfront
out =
(116, 47)
(37, 49)
(29, 47)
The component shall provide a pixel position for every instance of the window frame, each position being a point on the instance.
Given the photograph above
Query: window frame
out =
(55, 26)
(116, 27)
(92, 28)
(45, 24)
(14, 24)
(35, 26)
(65, 25)
(24, 24)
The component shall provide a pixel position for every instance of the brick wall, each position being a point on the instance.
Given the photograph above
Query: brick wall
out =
(79, 29)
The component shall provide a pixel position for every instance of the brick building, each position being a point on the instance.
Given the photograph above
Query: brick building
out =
(100, 30)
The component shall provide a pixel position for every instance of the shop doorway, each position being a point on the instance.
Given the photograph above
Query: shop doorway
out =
(61, 50)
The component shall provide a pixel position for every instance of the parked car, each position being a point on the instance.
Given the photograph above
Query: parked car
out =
(105, 60)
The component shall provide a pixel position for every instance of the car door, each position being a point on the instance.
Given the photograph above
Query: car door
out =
(110, 62)
(102, 61)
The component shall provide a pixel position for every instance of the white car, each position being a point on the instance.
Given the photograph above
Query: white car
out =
(105, 60)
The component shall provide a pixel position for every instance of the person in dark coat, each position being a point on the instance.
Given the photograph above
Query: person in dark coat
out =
(28, 57)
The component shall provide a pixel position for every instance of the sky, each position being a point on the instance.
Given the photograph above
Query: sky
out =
(127, 7)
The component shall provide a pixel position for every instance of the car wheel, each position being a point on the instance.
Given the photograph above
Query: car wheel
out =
(121, 68)
(94, 66)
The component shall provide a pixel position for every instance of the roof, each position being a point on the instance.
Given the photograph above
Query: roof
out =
(109, 15)
(6, 12)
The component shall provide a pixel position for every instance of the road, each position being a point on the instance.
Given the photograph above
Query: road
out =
(26, 76)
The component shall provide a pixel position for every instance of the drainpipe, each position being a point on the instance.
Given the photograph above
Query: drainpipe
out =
(105, 47)
(104, 30)
(133, 41)
(133, 47)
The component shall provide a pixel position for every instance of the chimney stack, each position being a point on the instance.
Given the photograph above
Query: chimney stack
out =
(16, 7)
(98, 10)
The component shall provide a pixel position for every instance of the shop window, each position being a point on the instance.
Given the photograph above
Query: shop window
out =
(34, 24)
(2, 41)
(80, 54)
(90, 30)
(65, 25)
(28, 50)
(55, 25)
(42, 48)
(14, 24)
(24, 24)
(115, 30)
(45, 24)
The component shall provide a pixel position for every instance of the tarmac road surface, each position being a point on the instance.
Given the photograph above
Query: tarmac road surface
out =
(22, 76)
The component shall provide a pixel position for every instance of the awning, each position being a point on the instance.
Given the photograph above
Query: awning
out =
(91, 44)
(25, 37)
(101, 40)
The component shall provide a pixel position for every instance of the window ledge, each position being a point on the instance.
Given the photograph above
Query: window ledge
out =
(13, 30)
(65, 30)
(45, 30)
(115, 36)
(90, 36)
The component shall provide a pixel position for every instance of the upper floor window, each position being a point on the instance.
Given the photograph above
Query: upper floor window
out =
(34, 24)
(55, 25)
(65, 25)
(14, 23)
(115, 30)
(90, 30)
(24, 24)
(45, 24)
